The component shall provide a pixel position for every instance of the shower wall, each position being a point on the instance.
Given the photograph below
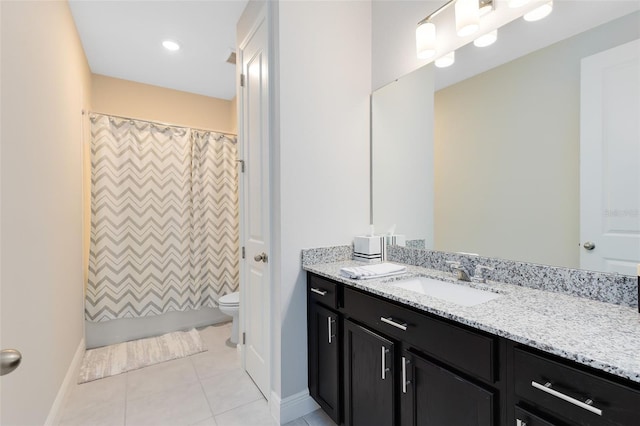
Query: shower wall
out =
(142, 101)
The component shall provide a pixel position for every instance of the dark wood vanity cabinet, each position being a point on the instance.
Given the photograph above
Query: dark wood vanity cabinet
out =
(324, 346)
(374, 362)
(395, 364)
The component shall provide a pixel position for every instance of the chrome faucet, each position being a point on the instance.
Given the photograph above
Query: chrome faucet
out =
(461, 273)
(479, 275)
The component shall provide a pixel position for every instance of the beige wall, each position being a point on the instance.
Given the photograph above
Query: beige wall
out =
(507, 153)
(45, 85)
(143, 101)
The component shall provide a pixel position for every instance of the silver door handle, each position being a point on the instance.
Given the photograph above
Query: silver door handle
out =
(318, 291)
(390, 321)
(9, 360)
(587, 405)
(405, 382)
(385, 351)
(589, 245)
(262, 257)
(329, 321)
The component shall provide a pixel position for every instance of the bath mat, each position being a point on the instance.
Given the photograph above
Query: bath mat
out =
(122, 357)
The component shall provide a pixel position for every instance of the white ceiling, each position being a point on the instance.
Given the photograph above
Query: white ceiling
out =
(123, 39)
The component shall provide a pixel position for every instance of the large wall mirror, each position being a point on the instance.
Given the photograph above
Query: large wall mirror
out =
(500, 164)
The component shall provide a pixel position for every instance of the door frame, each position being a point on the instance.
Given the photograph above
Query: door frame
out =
(260, 19)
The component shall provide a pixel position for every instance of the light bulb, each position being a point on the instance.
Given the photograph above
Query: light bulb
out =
(426, 40)
(446, 60)
(517, 3)
(539, 12)
(486, 39)
(467, 17)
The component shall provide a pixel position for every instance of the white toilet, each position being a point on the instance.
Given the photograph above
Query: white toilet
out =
(230, 305)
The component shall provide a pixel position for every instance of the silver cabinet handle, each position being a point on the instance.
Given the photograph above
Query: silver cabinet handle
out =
(405, 382)
(585, 405)
(329, 321)
(262, 257)
(385, 351)
(390, 321)
(318, 291)
(9, 360)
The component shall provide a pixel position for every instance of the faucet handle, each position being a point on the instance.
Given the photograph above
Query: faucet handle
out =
(453, 264)
(479, 273)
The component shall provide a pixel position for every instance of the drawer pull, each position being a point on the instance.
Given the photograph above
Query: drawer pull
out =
(390, 321)
(585, 405)
(318, 291)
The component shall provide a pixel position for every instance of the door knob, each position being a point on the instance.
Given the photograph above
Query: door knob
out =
(9, 360)
(589, 245)
(262, 257)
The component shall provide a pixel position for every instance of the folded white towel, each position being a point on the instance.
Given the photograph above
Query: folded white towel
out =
(378, 270)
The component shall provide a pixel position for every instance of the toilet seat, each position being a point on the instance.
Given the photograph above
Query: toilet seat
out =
(231, 299)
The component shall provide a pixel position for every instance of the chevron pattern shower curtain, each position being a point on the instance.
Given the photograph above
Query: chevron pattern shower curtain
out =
(164, 219)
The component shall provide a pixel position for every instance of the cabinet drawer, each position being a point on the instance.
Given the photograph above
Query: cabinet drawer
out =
(570, 392)
(525, 418)
(463, 349)
(323, 291)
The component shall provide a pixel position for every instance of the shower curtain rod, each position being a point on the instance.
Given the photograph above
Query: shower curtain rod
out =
(159, 122)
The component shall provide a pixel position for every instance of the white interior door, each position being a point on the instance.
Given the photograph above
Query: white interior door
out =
(255, 284)
(610, 160)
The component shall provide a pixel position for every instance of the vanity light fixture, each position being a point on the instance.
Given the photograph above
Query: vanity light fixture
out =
(426, 40)
(517, 3)
(486, 39)
(467, 17)
(486, 6)
(170, 45)
(539, 12)
(446, 60)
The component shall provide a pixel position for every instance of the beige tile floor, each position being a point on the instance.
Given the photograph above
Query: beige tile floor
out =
(207, 389)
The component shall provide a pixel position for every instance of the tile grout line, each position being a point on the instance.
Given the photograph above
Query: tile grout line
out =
(204, 393)
(126, 385)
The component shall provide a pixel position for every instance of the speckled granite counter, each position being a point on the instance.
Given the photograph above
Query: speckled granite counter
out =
(601, 335)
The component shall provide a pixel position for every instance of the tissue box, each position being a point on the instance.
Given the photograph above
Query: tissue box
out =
(368, 249)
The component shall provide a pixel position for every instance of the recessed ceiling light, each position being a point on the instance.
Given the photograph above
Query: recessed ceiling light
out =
(170, 45)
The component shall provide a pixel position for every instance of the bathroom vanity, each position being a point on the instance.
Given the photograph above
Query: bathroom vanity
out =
(380, 354)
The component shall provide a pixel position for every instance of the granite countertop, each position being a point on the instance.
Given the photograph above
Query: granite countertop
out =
(601, 335)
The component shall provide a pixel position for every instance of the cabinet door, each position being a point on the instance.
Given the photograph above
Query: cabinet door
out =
(369, 377)
(324, 359)
(434, 396)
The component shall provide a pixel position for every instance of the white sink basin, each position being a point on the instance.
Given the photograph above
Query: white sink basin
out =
(455, 293)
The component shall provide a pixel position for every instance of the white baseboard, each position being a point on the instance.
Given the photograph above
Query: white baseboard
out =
(292, 407)
(70, 379)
